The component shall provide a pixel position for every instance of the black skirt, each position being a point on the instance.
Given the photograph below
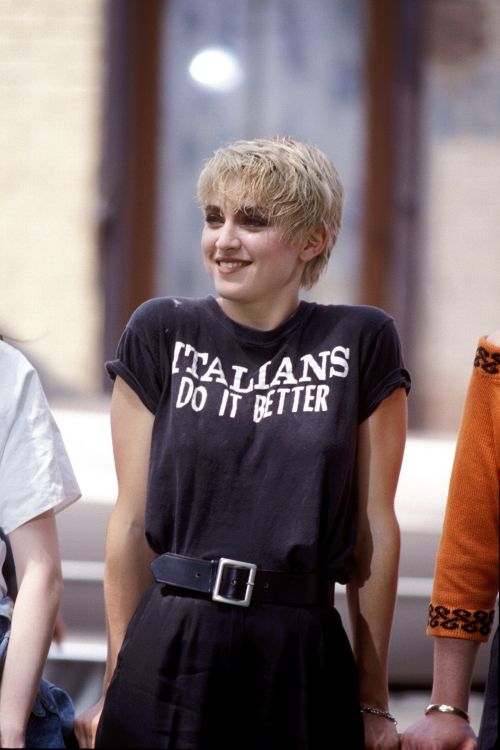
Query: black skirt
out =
(196, 675)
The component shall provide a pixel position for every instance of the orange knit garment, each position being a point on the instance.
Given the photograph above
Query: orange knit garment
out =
(466, 573)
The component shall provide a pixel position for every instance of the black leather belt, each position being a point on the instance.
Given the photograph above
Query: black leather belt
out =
(236, 582)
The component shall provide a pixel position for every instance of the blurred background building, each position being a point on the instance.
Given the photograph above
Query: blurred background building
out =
(106, 120)
(108, 108)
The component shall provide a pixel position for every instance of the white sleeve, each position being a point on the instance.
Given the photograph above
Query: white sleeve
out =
(35, 471)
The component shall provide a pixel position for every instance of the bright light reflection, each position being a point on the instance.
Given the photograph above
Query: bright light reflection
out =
(216, 68)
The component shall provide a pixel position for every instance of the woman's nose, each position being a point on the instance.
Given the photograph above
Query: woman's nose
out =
(228, 236)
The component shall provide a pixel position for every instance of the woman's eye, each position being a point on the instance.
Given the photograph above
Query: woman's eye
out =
(255, 220)
(213, 219)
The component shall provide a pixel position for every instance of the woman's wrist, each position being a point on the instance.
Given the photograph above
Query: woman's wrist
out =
(12, 737)
(445, 708)
(380, 712)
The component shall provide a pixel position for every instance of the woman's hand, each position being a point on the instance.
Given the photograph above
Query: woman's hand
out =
(380, 733)
(86, 724)
(439, 732)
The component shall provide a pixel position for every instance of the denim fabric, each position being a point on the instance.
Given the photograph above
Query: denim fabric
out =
(5, 607)
(51, 721)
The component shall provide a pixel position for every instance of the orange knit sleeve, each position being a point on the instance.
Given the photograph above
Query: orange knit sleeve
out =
(466, 573)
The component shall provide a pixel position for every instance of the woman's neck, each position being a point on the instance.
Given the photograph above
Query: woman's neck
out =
(260, 317)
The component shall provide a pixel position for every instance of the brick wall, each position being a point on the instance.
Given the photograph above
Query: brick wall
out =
(51, 76)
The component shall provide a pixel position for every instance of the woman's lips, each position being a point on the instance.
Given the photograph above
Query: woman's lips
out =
(228, 265)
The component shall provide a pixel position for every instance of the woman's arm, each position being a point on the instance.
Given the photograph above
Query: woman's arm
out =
(36, 554)
(372, 588)
(466, 572)
(453, 664)
(128, 556)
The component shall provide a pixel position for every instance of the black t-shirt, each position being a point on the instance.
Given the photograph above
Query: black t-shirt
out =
(254, 441)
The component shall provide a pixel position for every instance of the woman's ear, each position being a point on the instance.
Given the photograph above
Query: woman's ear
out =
(314, 244)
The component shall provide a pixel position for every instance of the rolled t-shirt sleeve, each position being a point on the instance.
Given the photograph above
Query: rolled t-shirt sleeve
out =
(383, 369)
(35, 471)
(138, 357)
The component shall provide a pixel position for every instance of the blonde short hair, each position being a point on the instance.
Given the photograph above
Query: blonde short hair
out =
(294, 183)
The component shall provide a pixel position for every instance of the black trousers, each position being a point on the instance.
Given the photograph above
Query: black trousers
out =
(196, 675)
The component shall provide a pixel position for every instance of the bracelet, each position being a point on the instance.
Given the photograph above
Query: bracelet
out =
(444, 709)
(378, 712)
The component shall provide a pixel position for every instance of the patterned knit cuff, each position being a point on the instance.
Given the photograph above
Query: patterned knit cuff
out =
(455, 622)
(487, 358)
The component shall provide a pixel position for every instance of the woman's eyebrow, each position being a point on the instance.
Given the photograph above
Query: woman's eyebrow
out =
(253, 210)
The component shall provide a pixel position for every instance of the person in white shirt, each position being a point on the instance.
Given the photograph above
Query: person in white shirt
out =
(36, 481)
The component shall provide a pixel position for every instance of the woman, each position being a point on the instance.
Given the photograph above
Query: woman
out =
(465, 590)
(270, 431)
(36, 480)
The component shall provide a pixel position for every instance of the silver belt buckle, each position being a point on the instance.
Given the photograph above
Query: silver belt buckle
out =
(252, 569)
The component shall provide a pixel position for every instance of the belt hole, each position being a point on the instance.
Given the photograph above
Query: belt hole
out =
(197, 575)
(234, 581)
(266, 585)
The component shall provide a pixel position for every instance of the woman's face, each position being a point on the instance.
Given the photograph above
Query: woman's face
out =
(247, 258)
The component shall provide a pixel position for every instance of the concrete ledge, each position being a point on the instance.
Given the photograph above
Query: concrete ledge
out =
(82, 649)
